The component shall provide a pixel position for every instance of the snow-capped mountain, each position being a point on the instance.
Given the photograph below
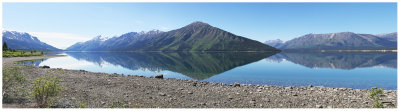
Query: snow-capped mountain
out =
(274, 43)
(90, 44)
(99, 43)
(341, 41)
(197, 36)
(25, 41)
(100, 38)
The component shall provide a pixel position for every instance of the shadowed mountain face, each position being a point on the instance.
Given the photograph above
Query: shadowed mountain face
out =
(338, 60)
(197, 36)
(195, 65)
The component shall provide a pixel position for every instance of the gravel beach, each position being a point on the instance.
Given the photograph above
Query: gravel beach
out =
(99, 90)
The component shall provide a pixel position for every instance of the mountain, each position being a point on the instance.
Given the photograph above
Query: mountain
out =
(340, 41)
(93, 43)
(274, 43)
(197, 36)
(389, 36)
(25, 41)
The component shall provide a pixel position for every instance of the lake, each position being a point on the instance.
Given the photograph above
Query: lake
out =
(328, 69)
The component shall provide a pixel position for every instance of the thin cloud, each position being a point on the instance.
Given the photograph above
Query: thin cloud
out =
(59, 35)
(59, 40)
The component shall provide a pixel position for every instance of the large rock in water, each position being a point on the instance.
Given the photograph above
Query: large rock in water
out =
(45, 66)
(160, 76)
(236, 84)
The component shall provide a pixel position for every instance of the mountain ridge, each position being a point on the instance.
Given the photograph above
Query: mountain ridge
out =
(25, 41)
(197, 36)
(339, 41)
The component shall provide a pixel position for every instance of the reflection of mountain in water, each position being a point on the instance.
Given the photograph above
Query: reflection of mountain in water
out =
(338, 60)
(197, 65)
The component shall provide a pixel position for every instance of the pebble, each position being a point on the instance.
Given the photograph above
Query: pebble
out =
(290, 87)
(268, 100)
(162, 94)
(236, 84)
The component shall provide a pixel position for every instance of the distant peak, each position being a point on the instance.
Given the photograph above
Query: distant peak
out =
(154, 31)
(395, 33)
(345, 33)
(100, 37)
(332, 33)
(273, 41)
(14, 32)
(276, 40)
(198, 23)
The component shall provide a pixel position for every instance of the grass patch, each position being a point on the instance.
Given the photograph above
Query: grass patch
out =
(118, 104)
(20, 53)
(375, 95)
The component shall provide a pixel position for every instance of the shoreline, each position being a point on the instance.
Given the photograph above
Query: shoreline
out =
(99, 90)
(342, 51)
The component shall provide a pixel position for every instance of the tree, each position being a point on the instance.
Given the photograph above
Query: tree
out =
(5, 47)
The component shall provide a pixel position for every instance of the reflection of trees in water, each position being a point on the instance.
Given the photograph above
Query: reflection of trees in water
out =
(348, 60)
(35, 62)
(197, 65)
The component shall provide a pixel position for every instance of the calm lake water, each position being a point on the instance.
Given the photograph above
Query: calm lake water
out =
(348, 70)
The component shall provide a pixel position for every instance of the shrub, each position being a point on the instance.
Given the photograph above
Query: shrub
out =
(118, 104)
(13, 80)
(375, 95)
(45, 89)
(82, 104)
(12, 77)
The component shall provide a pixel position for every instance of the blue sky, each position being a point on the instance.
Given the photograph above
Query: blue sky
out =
(62, 24)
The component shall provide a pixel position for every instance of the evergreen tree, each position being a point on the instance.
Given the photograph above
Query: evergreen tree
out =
(5, 47)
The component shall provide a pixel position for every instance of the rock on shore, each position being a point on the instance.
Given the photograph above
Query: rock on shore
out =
(99, 90)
